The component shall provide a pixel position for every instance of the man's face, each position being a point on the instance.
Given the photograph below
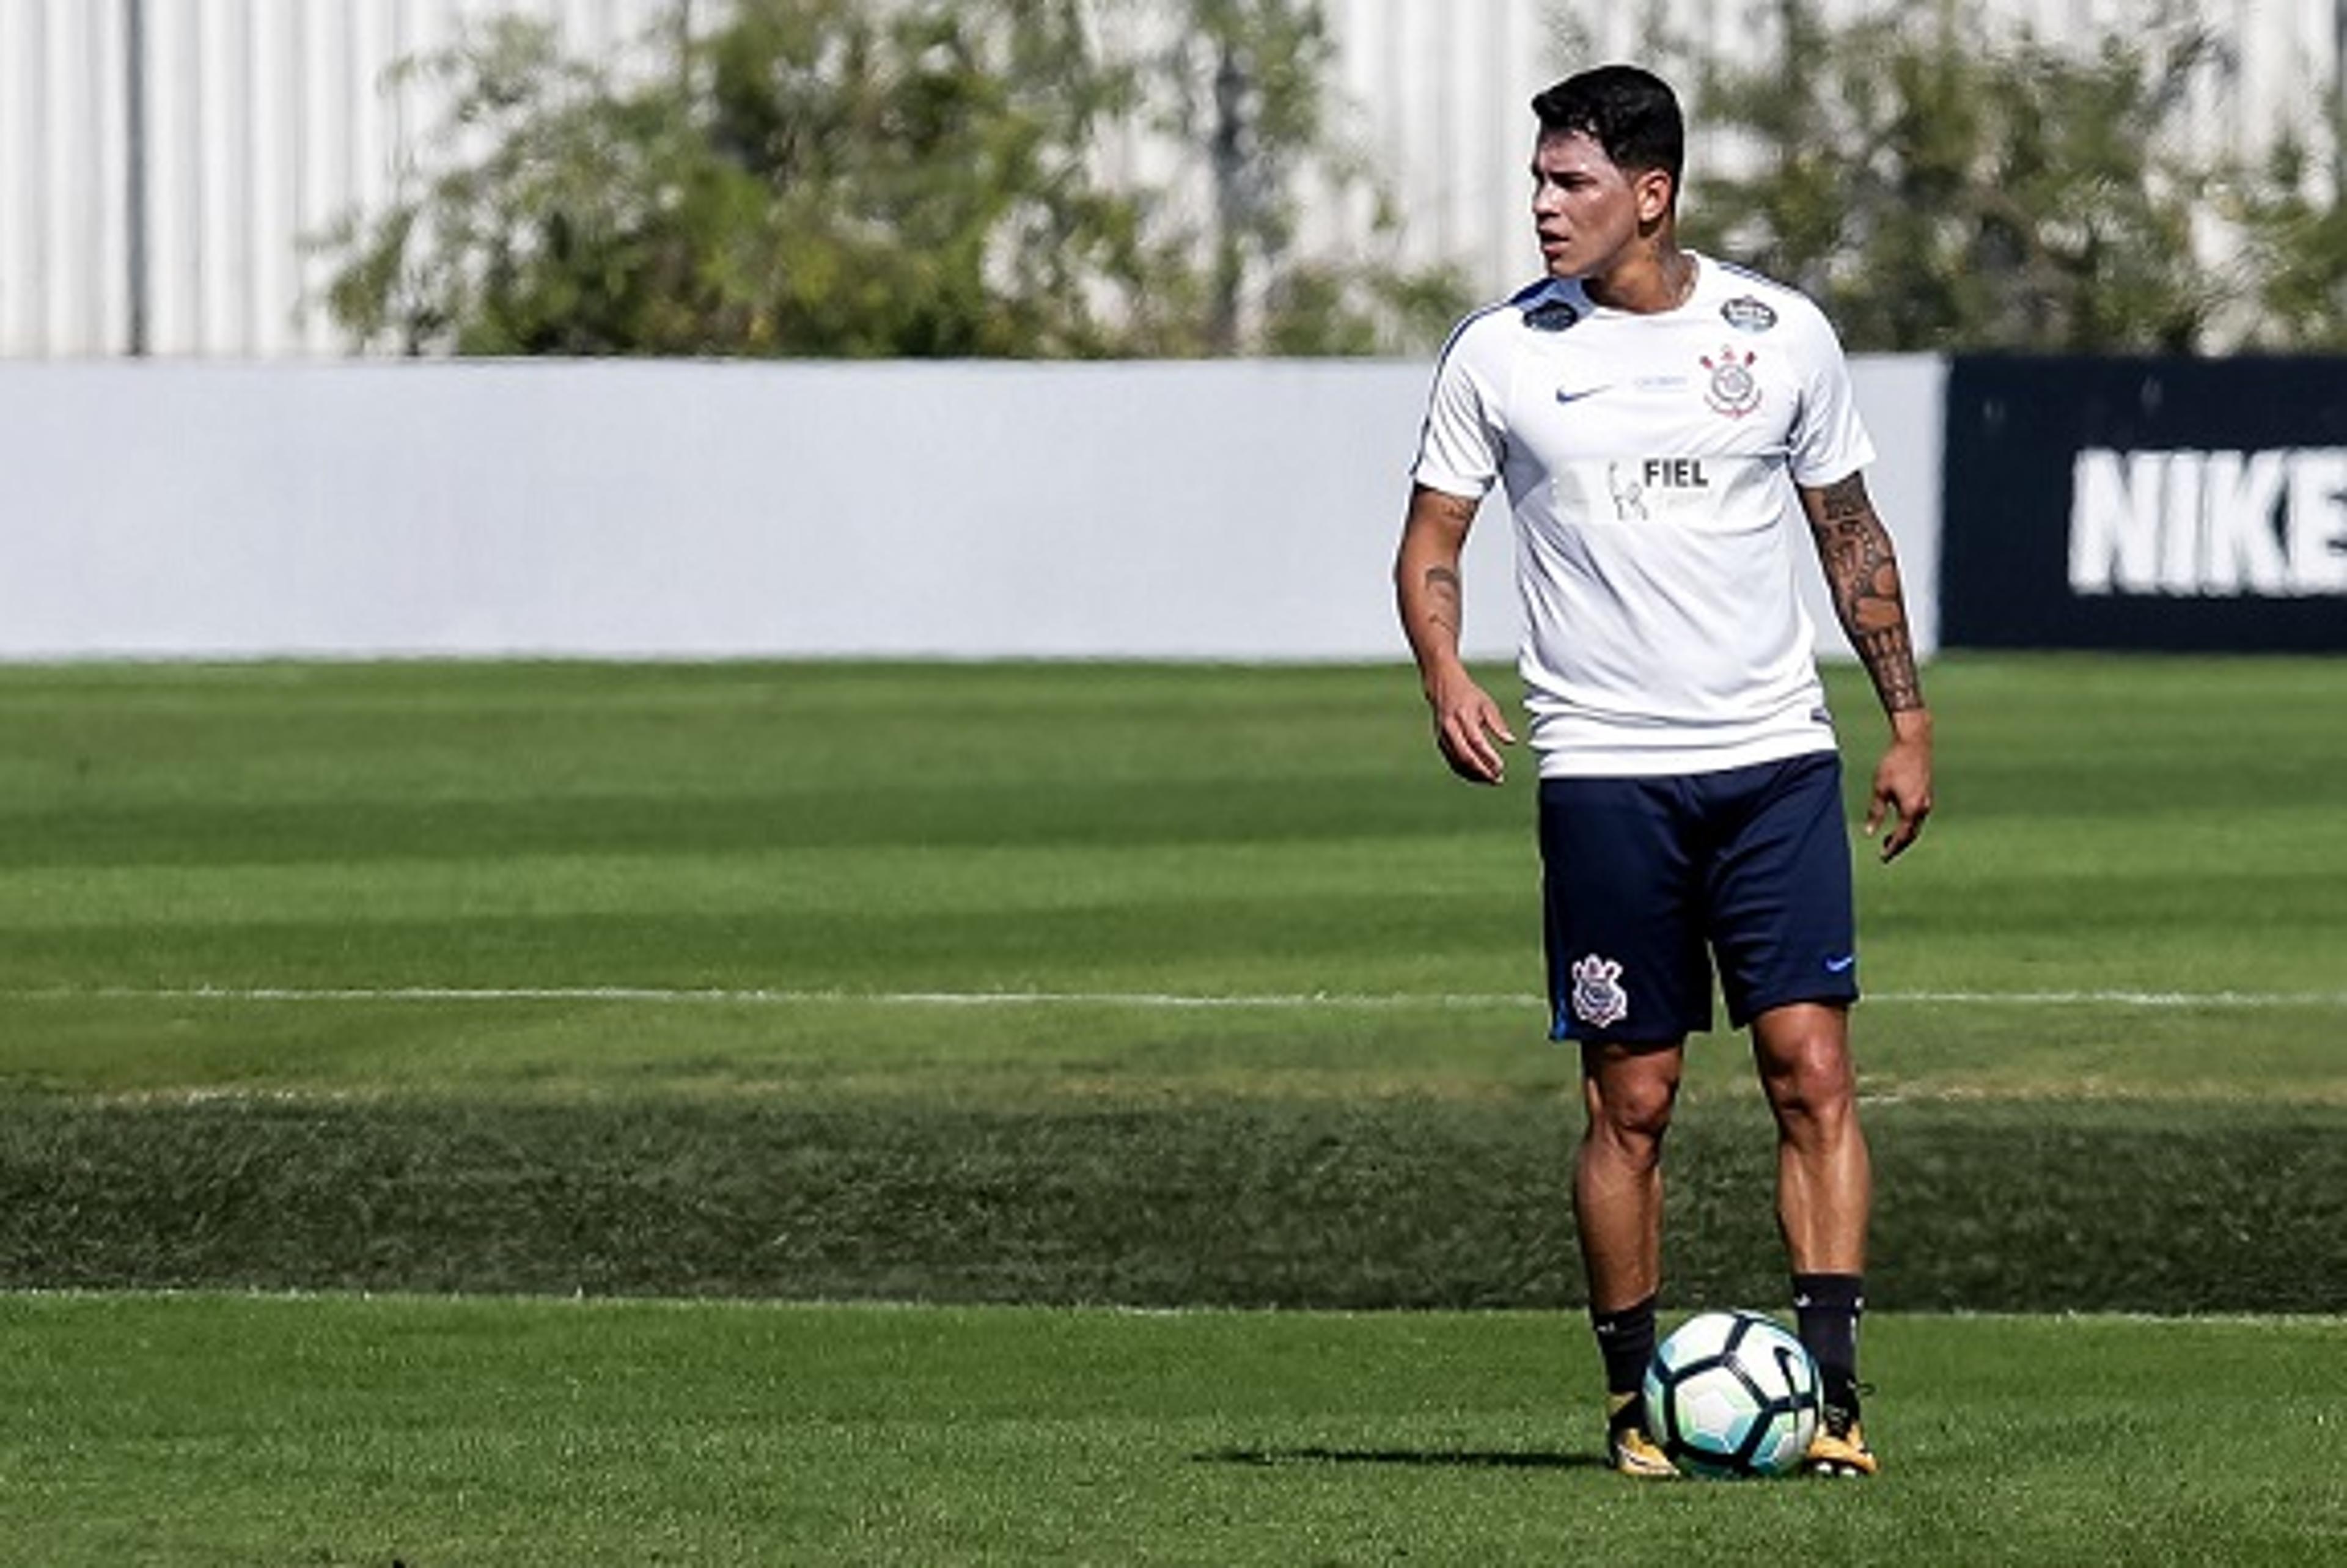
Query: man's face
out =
(1585, 208)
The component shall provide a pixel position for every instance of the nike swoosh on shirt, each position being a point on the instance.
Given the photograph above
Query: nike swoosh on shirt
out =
(1567, 395)
(1841, 965)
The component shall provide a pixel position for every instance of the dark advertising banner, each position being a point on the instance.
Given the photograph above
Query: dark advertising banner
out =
(2187, 505)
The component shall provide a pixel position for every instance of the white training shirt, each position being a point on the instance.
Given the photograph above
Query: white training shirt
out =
(1648, 462)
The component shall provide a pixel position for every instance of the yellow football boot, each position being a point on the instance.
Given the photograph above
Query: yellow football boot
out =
(1840, 1447)
(1629, 1449)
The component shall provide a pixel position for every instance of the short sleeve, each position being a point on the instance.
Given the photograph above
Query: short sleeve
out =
(1831, 442)
(1460, 449)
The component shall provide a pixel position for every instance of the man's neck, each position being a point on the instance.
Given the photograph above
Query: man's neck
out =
(1656, 280)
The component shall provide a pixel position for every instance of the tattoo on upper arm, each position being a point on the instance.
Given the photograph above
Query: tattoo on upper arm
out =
(1862, 573)
(1844, 499)
(1436, 602)
(1457, 510)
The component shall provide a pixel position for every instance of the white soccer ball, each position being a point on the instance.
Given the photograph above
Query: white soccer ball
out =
(1732, 1394)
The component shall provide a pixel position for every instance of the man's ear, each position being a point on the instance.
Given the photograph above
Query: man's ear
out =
(1654, 190)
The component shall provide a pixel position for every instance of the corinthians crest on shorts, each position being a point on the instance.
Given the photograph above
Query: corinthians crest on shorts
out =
(1734, 391)
(1598, 999)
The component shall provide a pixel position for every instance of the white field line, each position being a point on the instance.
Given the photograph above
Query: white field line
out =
(1304, 1000)
(715, 1306)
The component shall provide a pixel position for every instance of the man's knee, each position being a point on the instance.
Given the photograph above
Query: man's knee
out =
(1630, 1109)
(1805, 1065)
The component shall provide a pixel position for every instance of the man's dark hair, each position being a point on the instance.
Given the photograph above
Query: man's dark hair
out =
(1630, 113)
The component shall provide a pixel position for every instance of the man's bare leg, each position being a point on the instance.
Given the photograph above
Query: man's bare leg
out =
(1825, 1191)
(1617, 1200)
(1617, 1173)
(1825, 1179)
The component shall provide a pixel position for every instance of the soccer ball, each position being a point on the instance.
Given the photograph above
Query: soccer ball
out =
(1732, 1394)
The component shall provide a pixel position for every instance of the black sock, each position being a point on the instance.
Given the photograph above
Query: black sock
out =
(1626, 1339)
(1828, 1307)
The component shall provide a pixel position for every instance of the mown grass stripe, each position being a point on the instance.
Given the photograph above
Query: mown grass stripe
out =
(1413, 1204)
(761, 994)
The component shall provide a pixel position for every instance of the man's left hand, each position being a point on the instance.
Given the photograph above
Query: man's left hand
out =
(1903, 784)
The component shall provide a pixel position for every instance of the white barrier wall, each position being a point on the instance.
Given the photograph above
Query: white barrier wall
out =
(1216, 511)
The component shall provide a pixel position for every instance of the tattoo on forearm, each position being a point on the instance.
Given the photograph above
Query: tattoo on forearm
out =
(1862, 572)
(1445, 602)
(1890, 660)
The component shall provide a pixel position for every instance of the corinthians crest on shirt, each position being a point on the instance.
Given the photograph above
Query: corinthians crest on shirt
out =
(1598, 999)
(1733, 390)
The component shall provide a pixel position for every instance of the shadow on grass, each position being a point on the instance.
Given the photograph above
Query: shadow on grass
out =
(1408, 1459)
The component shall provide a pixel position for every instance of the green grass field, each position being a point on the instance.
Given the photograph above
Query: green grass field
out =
(1038, 992)
(228, 1432)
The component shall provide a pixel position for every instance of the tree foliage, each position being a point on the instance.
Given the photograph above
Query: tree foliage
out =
(1937, 192)
(2295, 216)
(860, 178)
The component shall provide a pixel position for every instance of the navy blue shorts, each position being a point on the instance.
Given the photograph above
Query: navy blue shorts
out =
(1648, 880)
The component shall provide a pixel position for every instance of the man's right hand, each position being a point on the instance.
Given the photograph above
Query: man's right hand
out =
(1470, 729)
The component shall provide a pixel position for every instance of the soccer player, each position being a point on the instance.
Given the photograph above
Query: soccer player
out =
(1659, 420)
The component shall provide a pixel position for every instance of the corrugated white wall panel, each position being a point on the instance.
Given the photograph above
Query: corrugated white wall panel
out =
(268, 119)
(1449, 126)
(60, 119)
